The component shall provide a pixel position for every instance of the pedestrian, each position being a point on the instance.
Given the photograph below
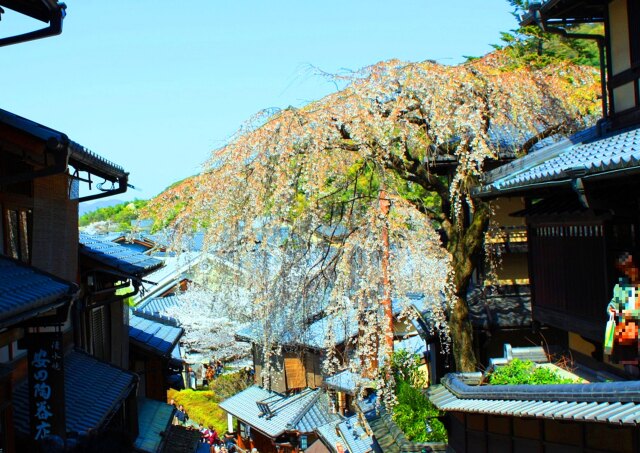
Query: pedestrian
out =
(621, 342)
(191, 376)
(210, 373)
(229, 442)
(182, 415)
(204, 371)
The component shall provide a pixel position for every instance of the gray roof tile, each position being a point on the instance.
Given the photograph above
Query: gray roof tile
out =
(599, 402)
(94, 390)
(584, 153)
(355, 436)
(159, 305)
(154, 417)
(302, 412)
(24, 289)
(329, 434)
(116, 256)
(154, 332)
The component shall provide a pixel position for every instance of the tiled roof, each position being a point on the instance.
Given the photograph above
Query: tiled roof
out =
(584, 155)
(24, 290)
(94, 390)
(152, 332)
(79, 156)
(154, 418)
(158, 305)
(604, 402)
(174, 270)
(347, 381)
(355, 436)
(329, 434)
(116, 256)
(302, 412)
(182, 439)
(413, 345)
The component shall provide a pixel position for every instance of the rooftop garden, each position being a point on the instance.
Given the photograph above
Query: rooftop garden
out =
(525, 372)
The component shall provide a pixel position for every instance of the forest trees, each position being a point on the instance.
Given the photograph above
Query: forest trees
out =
(415, 135)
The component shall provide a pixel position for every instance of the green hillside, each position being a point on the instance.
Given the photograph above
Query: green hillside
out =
(121, 214)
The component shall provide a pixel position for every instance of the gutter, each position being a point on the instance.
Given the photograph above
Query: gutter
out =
(54, 28)
(64, 152)
(574, 183)
(30, 318)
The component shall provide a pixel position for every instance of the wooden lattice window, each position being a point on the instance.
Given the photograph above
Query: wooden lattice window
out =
(17, 233)
(99, 329)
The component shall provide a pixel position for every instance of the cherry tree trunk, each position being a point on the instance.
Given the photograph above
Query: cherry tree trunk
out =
(465, 246)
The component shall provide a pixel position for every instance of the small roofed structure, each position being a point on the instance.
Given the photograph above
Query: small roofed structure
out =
(351, 433)
(153, 340)
(113, 256)
(269, 421)
(154, 418)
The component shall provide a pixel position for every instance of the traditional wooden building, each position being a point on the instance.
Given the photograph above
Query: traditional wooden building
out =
(581, 210)
(582, 205)
(154, 353)
(110, 276)
(298, 362)
(39, 177)
(272, 422)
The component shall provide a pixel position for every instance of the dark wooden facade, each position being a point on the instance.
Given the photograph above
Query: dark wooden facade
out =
(39, 228)
(479, 433)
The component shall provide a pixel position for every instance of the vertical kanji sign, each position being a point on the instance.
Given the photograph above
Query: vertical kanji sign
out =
(46, 385)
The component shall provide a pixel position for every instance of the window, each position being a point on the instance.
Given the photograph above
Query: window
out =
(100, 333)
(245, 431)
(17, 237)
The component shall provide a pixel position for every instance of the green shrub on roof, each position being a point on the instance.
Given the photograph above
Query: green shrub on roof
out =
(525, 372)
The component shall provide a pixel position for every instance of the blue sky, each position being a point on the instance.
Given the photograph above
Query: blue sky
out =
(154, 86)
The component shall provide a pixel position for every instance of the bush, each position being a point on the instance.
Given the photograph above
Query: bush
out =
(416, 416)
(406, 367)
(229, 384)
(525, 372)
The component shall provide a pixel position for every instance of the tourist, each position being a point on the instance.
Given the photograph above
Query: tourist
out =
(219, 368)
(191, 377)
(182, 415)
(621, 343)
(213, 436)
(204, 371)
(210, 373)
(229, 442)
